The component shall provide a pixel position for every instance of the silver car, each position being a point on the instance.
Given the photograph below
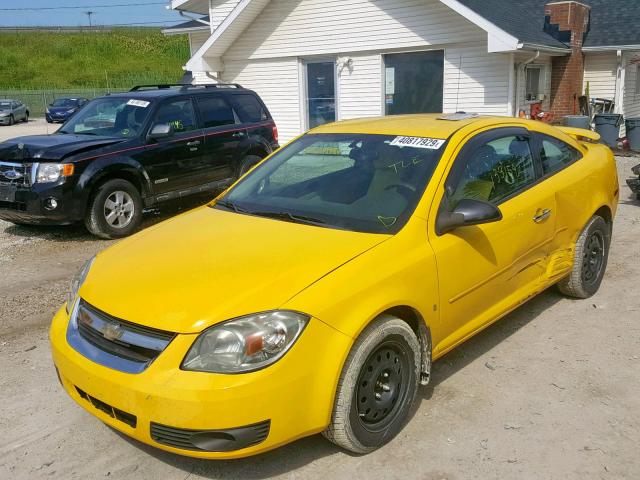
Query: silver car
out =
(12, 111)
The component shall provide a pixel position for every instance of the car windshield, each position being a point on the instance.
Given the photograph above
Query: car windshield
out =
(5, 104)
(65, 102)
(110, 116)
(365, 183)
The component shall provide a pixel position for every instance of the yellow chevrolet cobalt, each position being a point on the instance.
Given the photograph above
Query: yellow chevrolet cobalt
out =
(314, 294)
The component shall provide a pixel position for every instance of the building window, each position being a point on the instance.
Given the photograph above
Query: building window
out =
(533, 77)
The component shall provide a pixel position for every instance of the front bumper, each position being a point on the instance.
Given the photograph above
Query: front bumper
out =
(634, 185)
(4, 120)
(30, 204)
(290, 399)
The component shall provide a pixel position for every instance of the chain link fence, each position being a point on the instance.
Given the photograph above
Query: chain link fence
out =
(38, 100)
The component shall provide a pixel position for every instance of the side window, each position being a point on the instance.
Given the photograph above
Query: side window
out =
(555, 154)
(497, 170)
(251, 110)
(178, 113)
(215, 111)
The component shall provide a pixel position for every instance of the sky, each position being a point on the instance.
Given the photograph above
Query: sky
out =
(44, 12)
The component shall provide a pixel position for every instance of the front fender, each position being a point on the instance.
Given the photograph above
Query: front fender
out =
(112, 167)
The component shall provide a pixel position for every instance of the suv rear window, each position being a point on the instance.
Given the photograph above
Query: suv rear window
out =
(215, 111)
(251, 110)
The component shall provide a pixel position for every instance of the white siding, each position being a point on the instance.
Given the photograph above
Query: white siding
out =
(632, 87)
(201, 78)
(360, 87)
(320, 27)
(277, 83)
(476, 81)
(600, 70)
(196, 40)
(219, 10)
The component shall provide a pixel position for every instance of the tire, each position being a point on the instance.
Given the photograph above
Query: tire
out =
(590, 260)
(247, 164)
(367, 415)
(26, 117)
(11, 120)
(115, 209)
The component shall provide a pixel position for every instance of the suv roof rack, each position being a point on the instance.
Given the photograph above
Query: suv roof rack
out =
(183, 86)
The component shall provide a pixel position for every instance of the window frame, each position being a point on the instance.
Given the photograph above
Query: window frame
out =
(541, 72)
(238, 108)
(470, 147)
(199, 98)
(537, 139)
(152, 118)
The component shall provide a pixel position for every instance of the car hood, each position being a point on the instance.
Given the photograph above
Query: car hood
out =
(208, 266)
(61, 109)
(54, 147)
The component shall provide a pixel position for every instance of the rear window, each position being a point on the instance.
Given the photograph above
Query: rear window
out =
(250, 109)
(215, 111)
(555, 155)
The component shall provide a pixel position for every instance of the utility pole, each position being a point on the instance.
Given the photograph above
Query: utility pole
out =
(88, 14)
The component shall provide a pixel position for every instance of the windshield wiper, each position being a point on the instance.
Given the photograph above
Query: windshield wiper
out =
(290, 217)
(231, 206)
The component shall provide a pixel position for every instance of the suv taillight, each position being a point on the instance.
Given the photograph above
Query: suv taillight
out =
(275, 133)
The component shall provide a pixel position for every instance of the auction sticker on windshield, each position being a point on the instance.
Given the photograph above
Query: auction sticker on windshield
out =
(418, 142)
(138, 103)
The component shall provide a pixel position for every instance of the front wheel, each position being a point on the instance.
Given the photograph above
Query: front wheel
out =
(11, 120)
(115, 210)
(26, 117)
(377, 387)
(590, 260)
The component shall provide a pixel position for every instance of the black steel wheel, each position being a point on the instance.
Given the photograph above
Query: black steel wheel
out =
(377, 387)
(590, 260)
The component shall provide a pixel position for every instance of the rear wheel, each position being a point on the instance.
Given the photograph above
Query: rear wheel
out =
(247, 164)
(26, 117)
(115, 210)
(377, 387)
(590, 260)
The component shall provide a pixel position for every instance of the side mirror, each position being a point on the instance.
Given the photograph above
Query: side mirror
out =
(468, 212)
(160, 130)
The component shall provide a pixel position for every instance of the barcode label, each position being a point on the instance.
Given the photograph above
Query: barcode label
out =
(418, 142)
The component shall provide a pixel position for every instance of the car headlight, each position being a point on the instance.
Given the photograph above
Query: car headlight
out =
(77, 282)
(51, 172)
(245, 344)
(71, 111)
(47, 110)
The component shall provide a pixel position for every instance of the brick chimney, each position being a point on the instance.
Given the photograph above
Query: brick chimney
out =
(567, 21)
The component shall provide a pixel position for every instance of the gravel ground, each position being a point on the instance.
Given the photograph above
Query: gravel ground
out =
(550, 392)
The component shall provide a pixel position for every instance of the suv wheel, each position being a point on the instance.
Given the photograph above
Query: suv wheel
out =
(115, 210)
(247, 164)
(377, 387)
(590, 260)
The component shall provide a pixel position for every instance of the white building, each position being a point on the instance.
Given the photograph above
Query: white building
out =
(314, 61)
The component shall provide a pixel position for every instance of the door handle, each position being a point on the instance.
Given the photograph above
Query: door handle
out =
(195, 143)
(546, 213)
(238, 135)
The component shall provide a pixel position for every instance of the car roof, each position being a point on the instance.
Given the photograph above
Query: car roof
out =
(173, 91)
(7, 100)
(418, 125)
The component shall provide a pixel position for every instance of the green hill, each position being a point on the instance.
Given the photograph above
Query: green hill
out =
(33, 60)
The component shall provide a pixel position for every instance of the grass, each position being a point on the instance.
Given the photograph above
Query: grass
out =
(120, 58)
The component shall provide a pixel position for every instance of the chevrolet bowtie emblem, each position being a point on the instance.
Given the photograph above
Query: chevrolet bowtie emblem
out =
(113, 331)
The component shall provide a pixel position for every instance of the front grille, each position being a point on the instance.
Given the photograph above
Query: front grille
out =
(15, 174)
(120, 345)
(113, 412)
(211, 440)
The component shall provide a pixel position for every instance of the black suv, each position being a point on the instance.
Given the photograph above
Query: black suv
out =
(128, 151)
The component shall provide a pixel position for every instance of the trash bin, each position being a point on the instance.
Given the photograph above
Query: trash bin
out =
(577, 121)
(608, 126)
(633, 132)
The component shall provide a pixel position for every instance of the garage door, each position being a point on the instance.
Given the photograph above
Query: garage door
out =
(414, 82)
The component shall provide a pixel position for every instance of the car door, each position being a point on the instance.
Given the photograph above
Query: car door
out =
(223, 137)
(486, 270)
(173, 162)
